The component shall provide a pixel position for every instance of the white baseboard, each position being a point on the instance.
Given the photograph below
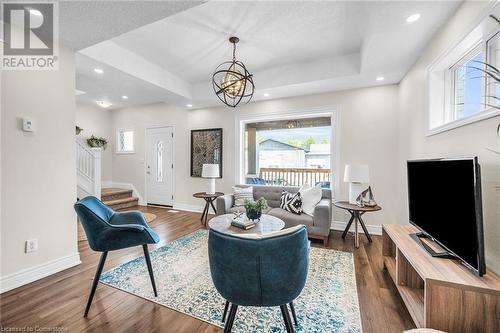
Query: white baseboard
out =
(372, 229)
(38, 272)
(127, 186)
(188, 208)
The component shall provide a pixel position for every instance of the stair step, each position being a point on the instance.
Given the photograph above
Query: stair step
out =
(122, 203)
(109, 194)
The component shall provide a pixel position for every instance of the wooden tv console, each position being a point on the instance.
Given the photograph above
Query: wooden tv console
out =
(439, 293)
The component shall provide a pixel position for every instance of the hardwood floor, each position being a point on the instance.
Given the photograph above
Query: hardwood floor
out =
(58, 301)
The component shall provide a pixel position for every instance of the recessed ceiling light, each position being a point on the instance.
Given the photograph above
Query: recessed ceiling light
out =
(79, 92)
(266, 95)
(412, 18)
(98, 70)
(189, 105)
(125, 97)
(380, 78)
(103, 104)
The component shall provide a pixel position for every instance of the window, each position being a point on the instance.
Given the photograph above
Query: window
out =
(125, 141)
(468, 84)
(289, 152)
(159, 161)
(460, 91)
(493, 88)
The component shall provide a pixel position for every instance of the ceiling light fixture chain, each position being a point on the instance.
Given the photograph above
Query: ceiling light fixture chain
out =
(231, 81)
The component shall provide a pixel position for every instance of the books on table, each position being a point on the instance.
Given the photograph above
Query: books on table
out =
(243, 223)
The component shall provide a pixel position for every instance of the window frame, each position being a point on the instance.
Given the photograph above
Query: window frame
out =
(441, 108)
(332, 111)
(117, 138)
(480, 47)
(492, 60)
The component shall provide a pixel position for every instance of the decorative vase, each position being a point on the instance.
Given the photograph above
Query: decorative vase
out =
(254, 214)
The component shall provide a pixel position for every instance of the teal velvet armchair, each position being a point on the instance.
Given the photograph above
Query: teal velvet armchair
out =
(265, 271)
(108, 230)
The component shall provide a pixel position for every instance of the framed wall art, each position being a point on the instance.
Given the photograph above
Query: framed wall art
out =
(206, 148)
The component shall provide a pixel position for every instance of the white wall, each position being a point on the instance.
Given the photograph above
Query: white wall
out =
(97, 121)
(38, 172)
(473, 139)
(368, 135)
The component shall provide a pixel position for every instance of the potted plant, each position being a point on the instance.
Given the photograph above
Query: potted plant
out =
(96, 142)
(254, 208)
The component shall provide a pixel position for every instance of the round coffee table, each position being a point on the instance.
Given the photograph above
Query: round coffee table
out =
(267, 223)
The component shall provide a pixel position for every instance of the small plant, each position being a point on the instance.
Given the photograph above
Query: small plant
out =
(258, 205)
(96, 142)
(78, 130)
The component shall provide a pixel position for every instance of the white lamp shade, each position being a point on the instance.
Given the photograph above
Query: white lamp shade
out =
(356, 173)
(210, 171)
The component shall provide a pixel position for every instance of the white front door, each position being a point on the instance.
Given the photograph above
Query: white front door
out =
(160, 166)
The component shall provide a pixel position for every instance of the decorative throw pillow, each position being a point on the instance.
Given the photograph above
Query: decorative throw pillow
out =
(311, 196)
(291, 202)
(241, 194)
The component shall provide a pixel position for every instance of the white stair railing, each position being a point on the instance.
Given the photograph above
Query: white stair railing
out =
(88, 169)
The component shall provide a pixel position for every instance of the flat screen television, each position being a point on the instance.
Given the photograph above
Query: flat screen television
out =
(444, 198)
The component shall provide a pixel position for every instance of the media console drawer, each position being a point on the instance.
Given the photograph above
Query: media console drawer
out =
(439, 293)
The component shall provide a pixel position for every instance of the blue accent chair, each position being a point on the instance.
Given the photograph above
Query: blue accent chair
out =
(262, 272)
(108, 230)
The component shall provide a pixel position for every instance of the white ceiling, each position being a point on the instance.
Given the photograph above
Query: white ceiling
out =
(292, 48)
(85, 23)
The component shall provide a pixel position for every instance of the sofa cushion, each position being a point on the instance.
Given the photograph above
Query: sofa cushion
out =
(291, 202)
(291, 219)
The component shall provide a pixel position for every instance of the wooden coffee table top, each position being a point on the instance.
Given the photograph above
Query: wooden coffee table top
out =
(267, 223)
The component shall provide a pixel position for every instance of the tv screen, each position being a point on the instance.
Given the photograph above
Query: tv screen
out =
(444, 197)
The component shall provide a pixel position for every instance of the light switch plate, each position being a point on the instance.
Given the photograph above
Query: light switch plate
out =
(28, 125)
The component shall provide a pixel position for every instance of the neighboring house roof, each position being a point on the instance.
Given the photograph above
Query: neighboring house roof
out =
(271, 144)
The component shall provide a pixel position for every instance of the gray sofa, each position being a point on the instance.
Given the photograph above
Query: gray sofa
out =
(318, 226)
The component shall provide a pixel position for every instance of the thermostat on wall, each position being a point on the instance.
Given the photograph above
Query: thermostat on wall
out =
(28, 125)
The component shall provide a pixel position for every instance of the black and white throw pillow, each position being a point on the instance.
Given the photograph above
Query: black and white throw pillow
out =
(291, 202)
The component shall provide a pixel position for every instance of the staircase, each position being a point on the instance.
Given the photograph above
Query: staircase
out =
(118, 198)
(88, 170)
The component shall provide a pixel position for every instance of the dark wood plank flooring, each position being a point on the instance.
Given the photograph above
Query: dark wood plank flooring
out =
(58, 301)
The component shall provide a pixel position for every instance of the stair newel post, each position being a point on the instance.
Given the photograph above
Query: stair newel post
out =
(97, 171)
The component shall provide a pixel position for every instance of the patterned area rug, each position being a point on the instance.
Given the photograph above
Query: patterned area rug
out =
(328, 303)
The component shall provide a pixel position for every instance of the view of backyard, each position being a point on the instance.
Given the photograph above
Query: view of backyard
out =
(289, 153)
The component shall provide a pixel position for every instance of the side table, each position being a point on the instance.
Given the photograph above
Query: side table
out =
(209, 201)
(356, 213)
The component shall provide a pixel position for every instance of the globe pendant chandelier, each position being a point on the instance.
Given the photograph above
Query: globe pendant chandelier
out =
(232, 82)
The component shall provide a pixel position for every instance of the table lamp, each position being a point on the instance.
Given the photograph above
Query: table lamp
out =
(210, 171)
(356, 175)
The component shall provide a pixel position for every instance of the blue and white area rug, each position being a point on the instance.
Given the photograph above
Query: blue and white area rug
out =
(328, 303)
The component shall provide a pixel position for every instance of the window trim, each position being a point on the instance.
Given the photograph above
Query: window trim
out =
(440, 89)
(332, 111)
(476, 49)
(117, 138)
